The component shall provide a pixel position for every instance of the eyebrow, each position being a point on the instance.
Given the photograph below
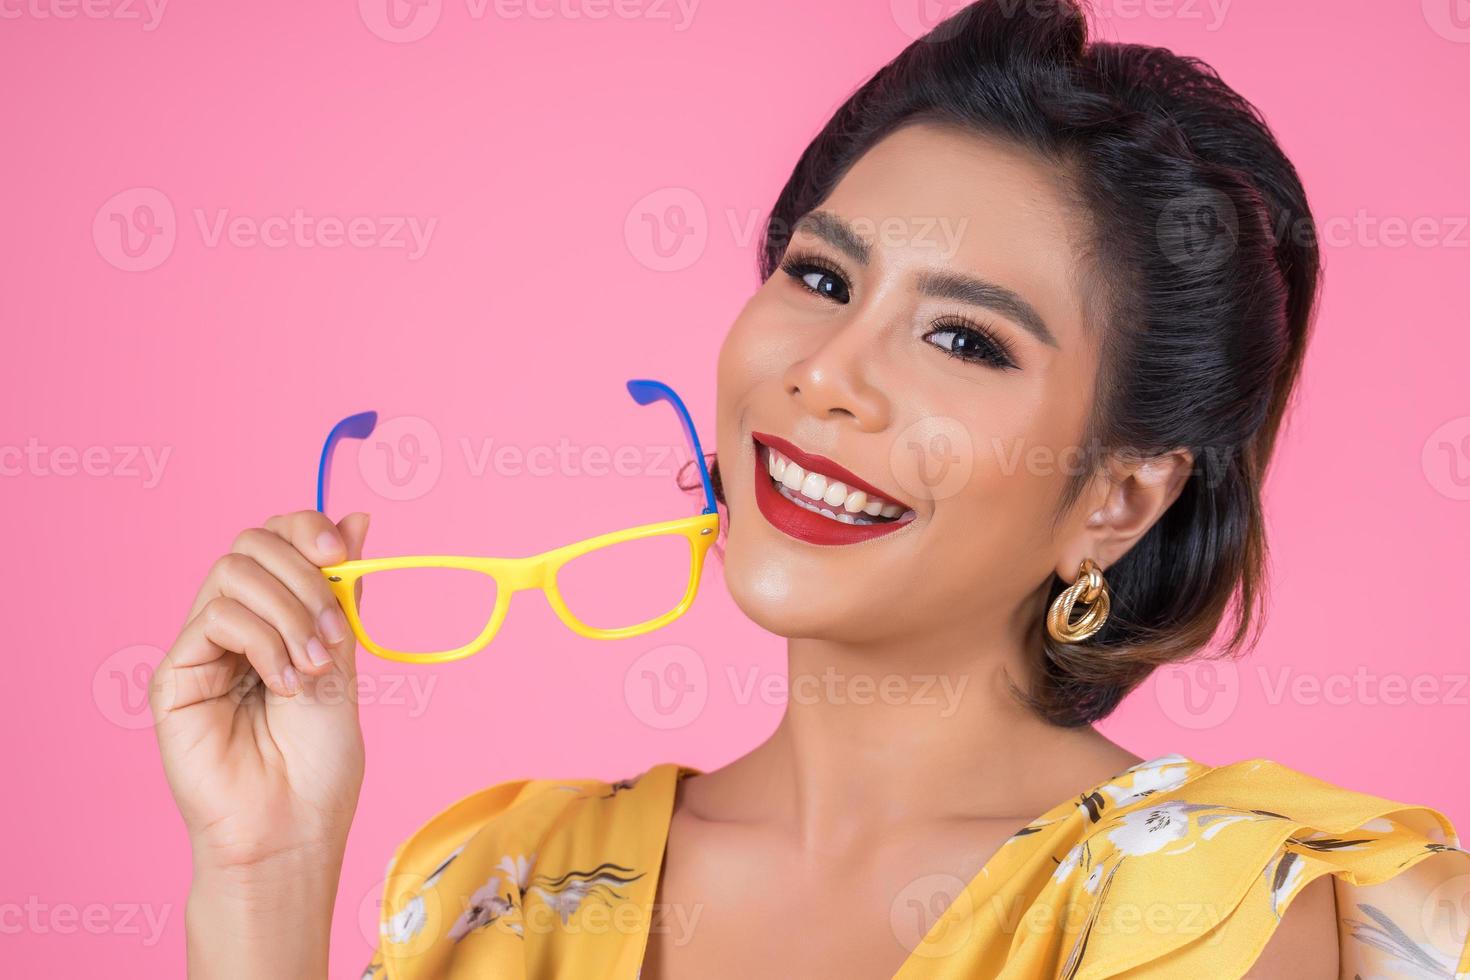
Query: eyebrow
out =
(957, 286)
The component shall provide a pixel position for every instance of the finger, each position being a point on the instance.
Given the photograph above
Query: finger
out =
(354, 529)
(176, 687)
(241, 577)
(326, 628)
(313, 534)
(309, 531)
(226, 629)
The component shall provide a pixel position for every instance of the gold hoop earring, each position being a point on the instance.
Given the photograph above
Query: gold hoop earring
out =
(1092, 590)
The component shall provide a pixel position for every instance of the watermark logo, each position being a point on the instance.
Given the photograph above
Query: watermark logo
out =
(1446, 459)
(405, 21)
(1450, 19)
(400, 21)
(1445, 916)
(120, 686)
(402, 459)
(919, 18)
(35, 459)
(667, 687)
(37, 917)
(299, 229)
(417, 922)
(1198, 231)
(926, 19)
(939, 691)
(149, 13)
(1364, 687)
(667, 230)
(931, 916)
(1199, 694)
(932, 458)
(135, 229)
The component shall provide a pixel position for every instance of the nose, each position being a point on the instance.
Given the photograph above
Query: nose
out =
(832, 381)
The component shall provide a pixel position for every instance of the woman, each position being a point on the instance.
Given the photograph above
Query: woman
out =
(1032, 310)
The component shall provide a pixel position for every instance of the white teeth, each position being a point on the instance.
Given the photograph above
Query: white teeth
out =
(802, 502)
(808, 488)
(814, 486)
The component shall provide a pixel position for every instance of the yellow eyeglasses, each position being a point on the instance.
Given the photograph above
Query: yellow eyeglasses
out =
(599, 579)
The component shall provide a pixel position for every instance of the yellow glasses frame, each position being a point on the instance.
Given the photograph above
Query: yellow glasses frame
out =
(514, 575)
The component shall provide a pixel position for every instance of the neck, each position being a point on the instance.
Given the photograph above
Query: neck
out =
(923, 728)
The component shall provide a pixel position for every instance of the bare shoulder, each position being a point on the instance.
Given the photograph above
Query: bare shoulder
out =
(1305, 943)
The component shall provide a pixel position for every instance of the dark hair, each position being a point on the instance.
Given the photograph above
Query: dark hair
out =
(1202, 270)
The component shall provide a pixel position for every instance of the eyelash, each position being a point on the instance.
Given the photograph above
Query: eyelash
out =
(997, 352)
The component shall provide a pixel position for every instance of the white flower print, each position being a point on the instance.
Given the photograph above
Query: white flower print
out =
(517, 869)
(566, 893)
(1155, 776)
(1213, 825)
(1288, 873)
(1069, 864)
(407, 923)
(485, 906)
(1149, 830)
(1404, 955)
(1090, 885)
(564, 902)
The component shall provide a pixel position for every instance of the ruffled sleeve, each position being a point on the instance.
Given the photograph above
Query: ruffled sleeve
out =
(530, 878)
(463, 872)
(1191, 881)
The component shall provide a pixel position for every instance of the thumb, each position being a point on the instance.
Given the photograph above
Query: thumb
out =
(354, 528)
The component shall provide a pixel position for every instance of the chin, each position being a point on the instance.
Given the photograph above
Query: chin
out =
(776, 592)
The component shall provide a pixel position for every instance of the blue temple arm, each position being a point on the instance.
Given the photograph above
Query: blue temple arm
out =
(358, 426)
(646, 392)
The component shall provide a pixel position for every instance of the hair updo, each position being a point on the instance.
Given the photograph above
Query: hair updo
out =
(1202, 274)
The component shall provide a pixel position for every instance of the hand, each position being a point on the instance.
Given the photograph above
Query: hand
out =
(255, 704)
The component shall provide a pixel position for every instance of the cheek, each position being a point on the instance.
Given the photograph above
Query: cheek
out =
(761, 343)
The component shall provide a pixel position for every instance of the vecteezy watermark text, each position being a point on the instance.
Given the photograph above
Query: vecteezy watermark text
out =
(136, 229)
(149, 12)
(38, 917)
(406, 21)
(122, 462)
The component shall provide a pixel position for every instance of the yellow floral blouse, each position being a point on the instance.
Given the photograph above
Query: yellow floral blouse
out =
(1170, 869)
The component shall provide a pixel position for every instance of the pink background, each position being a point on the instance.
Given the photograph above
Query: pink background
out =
(539, 142)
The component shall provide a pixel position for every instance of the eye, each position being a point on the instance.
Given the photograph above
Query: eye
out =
(818, 277)
(971, 342)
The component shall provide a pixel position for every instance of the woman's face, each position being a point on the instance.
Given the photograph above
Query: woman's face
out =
(926, 336)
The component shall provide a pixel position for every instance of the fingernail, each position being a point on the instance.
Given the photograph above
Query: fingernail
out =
(317, 653)
(290, 680)
(328, 543)
(332, 624)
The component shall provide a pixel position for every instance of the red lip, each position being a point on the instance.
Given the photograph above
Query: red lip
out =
(802, 524)
(811, 461)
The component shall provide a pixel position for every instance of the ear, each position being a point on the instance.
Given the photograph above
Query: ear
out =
(1125, 499)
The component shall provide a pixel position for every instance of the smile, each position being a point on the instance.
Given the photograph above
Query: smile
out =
(813, 499)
